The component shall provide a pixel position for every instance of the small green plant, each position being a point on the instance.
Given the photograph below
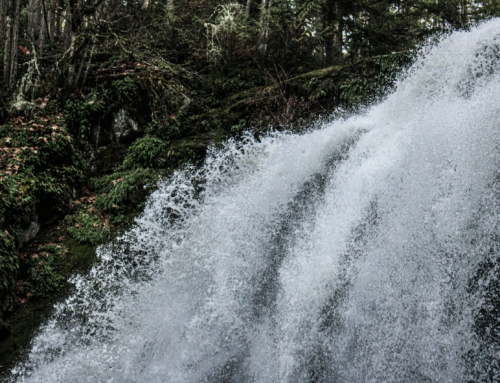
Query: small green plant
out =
(83, 112)
(88, 225)
(45, 271)
(116, 190)
(125, 90)
(143, 153)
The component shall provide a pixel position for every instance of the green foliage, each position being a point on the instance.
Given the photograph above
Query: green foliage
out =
(166, 130)
(143, 153)
(45, 271)
(83, 112)
(38, 165)
(383, 71)
(87, 225)
(117, 189)
(357, 90)
(125, 90)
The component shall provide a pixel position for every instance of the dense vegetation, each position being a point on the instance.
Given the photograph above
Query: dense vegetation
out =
(101, 98)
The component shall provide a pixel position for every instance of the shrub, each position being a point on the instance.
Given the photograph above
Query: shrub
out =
(143, 153)
(45, 271)
(88, 226)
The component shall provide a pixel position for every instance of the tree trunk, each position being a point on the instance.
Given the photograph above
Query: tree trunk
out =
(3, 9)
(82, 64)
(41, 29)
(339, 41)
(264, 25)
(67, 27)
(71, 60)
(88, 65)
(328, 16)
(170, 9)
(13, 43)
(52, 19)
(464, 13)
(58, 25)
(30, 28)
(7, 41)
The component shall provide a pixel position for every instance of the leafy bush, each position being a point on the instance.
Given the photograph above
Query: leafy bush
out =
(362, 87)
(38, 163)
(143, 152)
(88, 226)
(83, 112)
(115, 190)
(45, 271)
(125, 90)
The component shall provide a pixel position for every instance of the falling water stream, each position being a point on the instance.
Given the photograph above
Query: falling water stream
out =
(365, 250)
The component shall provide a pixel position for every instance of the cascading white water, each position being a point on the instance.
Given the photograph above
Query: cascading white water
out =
(363, 251)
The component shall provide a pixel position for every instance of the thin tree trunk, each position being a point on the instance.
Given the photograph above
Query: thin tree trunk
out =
(2, 19)
(14, 41)
(58, 17)
(67, 27)
(264, 25)
(71, 60)
(339, 42)
(3, 9)
(248, 7)
(339, 34)
(170, 9)
(83, 63)
(88, 65)
(7, 41)
(41, 28)
(464, 13)
(32, 16)
(52, 19)
(46, 19)
(329, 34)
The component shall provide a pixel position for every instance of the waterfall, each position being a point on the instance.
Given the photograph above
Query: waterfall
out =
(365, 250)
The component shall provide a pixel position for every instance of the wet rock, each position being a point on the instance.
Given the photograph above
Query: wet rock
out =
(125, 128)
(28, 234)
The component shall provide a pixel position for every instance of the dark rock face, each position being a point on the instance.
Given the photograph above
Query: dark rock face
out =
(125, 129)
(106, 150)
(28, 234)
